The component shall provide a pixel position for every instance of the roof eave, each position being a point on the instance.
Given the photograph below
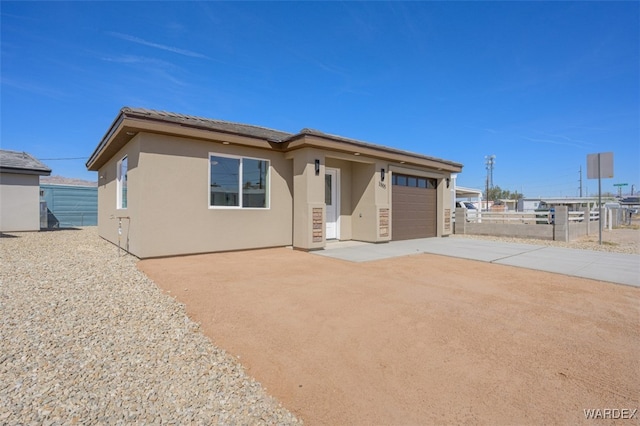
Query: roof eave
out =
(25, 171)
(128, 123)
(306, 138)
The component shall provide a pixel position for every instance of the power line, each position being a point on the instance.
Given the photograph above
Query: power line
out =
(60, 159)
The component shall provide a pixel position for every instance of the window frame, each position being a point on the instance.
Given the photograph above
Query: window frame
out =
(120, 186)
(240, 205)
(411, 181)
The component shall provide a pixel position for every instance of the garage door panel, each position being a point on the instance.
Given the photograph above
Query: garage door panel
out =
(413, 213)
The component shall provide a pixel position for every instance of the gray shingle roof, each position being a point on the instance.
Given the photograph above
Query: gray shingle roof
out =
(21, 162)
(208, 123)
(247, 130)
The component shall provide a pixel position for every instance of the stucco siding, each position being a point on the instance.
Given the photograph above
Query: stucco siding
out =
(173, 215)
(19, 202)
(115, 224)
(363, 202)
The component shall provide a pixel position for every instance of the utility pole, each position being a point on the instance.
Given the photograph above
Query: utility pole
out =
(489, 161)
(486, 198)
(580, 181)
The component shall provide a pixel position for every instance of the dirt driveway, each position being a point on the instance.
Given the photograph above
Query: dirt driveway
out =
(420, 339)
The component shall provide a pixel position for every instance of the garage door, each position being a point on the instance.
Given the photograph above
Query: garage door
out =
(413, 207)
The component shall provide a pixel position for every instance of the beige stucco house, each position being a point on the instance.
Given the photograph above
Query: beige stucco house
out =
(20, 191)
(171, 184)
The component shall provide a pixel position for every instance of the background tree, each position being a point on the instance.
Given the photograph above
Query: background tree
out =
(496, 193)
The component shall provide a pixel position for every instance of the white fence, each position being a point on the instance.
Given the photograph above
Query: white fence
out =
(558, 224)
(528, 218)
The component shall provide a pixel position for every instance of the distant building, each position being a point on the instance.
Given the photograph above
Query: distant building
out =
(20, 191)
(70, 205)
(543, 203)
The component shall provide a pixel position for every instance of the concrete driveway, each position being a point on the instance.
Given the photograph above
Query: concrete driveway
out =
(612, 267)
(418, 339)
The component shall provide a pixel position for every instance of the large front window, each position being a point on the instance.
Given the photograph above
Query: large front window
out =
(238, 182)
(123, 166)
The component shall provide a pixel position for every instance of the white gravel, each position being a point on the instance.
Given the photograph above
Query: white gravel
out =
(86, 338)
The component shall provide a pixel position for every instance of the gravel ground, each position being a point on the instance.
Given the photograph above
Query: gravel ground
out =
(87, 338)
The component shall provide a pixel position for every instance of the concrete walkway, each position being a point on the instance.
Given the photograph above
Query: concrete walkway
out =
(604, 266)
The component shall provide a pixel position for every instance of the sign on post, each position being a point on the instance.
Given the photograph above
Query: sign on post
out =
(600, 166)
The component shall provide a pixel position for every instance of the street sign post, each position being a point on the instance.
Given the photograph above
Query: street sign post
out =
(620, 185)
(600, 166)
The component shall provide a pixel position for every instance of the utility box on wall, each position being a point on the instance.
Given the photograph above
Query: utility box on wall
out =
(44, 216)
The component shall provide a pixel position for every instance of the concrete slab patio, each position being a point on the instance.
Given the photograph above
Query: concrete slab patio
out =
(612, 267)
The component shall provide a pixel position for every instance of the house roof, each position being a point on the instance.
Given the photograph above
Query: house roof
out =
(130, 121)
(207, 123)
(360, 144)
(21, 163)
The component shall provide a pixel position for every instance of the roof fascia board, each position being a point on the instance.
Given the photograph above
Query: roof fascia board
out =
(379, 152)
(22, 171)
(105, 141)
(125, 128)
(179, 130)
(413, 171)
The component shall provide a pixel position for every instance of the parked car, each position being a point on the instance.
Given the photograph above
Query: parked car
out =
(472, 211)
(465, 205)
(546, 214)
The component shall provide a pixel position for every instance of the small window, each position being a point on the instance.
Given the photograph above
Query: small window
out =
(327, 189)
(238, 182)
(414, 181)
(122, 174)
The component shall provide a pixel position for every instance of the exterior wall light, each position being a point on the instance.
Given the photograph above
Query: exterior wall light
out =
(382, 175)
(448, 182)
(317, 163)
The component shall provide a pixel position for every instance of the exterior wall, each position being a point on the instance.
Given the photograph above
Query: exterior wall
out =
(382, 193)
(308, 198)
(168, 209)
(371, 203)
(517, 230)
(445, 212)
(111, 219)
(168, 199)
(561, 224)
(363, 202)
(561, 230)
(19, 202)
(579, 229)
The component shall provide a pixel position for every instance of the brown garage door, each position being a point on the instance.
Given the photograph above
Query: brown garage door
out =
(413, 207)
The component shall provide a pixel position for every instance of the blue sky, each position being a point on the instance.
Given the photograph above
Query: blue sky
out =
(537, 84)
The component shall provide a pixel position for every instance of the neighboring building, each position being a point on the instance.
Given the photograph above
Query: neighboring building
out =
(70, 205)
(573, 204)
(170, 184)
(20, 191)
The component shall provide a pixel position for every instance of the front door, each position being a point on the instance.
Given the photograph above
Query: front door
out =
(331, 186)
